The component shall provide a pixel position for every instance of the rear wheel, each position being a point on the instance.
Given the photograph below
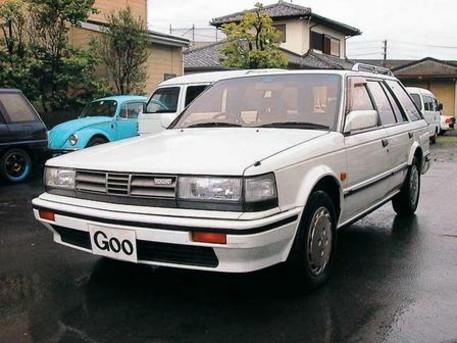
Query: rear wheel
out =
(312, 255)
(16, 165)
(405, 203)
(96, 141)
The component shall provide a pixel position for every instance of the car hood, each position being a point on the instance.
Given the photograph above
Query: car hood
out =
(59, 134)
(221, 151)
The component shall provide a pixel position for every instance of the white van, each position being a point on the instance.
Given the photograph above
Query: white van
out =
(430, 107)
(172, 96)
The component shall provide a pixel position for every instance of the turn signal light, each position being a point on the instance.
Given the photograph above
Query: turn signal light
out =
(47, 215)
(209, 237)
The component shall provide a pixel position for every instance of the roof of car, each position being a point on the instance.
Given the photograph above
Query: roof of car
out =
(419, 91)
(123, 98)
(10, 90)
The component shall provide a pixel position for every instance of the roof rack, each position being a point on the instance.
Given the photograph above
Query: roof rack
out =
(372, 69)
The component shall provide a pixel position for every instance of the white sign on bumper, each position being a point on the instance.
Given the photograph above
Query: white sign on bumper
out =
(114, 243)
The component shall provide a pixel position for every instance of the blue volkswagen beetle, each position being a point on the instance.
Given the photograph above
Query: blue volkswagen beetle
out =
(102, 121)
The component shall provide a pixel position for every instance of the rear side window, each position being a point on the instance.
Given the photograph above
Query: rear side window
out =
(411, 110)
(15, 108)
(193, 92)
(401, 117)
(417, 100)
(385, 111)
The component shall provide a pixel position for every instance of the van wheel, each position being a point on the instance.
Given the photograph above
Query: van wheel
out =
(96, 141)
(405, 203)
(16, 165)
(312, 255)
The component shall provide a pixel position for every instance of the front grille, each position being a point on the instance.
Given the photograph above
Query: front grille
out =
(124, 184)
(150, 251)
(175, 253)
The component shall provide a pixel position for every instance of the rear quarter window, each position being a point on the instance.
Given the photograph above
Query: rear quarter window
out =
(409, 106)
(15, 108)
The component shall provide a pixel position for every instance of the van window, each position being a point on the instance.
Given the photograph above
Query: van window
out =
(193, 92)
(16, 109)
(167, 97)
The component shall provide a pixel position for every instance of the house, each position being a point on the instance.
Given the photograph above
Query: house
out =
(440, 77)
(166, 58)
(309, 40)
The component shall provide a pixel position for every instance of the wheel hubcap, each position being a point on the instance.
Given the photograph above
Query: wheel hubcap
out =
(15, 165)
(320, 241)
(414, 185)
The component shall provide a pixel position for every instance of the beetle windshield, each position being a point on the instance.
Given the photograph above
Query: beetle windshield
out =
(100, 108)
(299, 101)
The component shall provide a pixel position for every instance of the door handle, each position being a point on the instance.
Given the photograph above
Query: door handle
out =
(385, 142)
(410, 135)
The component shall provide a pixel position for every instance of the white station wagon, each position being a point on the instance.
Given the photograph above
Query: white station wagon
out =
(257, 171)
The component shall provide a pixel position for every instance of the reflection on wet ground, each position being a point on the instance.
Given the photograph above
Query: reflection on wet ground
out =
(394, 281)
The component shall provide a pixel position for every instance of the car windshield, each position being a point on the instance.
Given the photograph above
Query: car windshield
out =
(163, 100)
(300, 101)
(100, 108)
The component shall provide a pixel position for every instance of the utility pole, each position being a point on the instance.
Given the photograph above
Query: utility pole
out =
(171, 30)
(193, 33)
(384, 60)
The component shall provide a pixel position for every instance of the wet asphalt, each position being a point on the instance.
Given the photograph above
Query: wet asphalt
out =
(395, 281)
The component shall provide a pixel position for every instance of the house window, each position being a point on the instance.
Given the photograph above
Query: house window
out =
(281, 30)
(325, 44)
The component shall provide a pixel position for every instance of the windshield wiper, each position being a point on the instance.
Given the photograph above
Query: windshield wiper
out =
(296, 124)
(214, 124)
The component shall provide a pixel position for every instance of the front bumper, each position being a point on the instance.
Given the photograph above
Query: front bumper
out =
(165, 239)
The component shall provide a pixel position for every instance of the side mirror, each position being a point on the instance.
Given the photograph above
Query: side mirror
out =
(440, 106)
(360, 120)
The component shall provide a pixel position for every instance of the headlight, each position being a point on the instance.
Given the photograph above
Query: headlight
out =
(229, 193)
(73, 139)
(210, 188)
(62, 178)
(260, 188)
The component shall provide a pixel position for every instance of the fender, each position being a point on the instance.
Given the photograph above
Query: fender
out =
(412, 151)
(311, 179)
(86, 135)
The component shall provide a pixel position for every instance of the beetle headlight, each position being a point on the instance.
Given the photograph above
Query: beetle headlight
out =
(73, 139)
(59, 177)
(210, 188)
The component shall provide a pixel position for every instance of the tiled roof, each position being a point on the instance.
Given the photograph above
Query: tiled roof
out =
(285, 10)
(280, 9)
(208, 58)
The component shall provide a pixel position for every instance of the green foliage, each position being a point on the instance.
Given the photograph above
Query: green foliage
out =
(36, 56)
(125, 48)
(253, 43)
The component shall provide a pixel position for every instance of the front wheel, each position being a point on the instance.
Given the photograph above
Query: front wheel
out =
(16, 165)
(313, 251)
(405, 203)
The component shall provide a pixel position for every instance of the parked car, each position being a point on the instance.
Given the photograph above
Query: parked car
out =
(102, 121)
(447, 123)
(23, 136)
(431, 109)
(172, 96)
(258, 170)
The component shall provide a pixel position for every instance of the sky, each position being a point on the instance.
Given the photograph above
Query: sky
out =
(413, 29)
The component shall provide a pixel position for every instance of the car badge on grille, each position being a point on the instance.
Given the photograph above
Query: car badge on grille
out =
(163, 181)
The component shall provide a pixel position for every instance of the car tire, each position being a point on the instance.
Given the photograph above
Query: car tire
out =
(311, 258)
(405, 203)
(96, 141)
(16, 165)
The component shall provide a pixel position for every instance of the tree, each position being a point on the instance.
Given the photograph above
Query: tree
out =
(64, 74)
(253, 42)
(15, 56)
(125, 48)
